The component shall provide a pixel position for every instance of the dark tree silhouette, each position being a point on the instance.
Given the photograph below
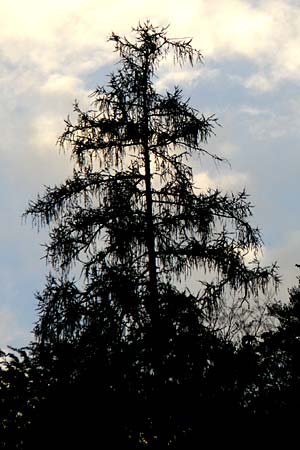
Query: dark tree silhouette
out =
(129, 225)
(277, 396)
(267, 376)
(21, 392)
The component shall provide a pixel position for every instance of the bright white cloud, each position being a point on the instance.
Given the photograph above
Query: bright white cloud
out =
(228, 182)
(178, 77)
(44, 132)
(58, 93)
(170, 77)
(70, 36)
(59, 84)
(260, 82)
(228, 28)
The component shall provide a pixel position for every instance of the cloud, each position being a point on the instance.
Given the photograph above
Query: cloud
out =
(11, 330)
(253, 111)
(286, 253)
(228, 28)
(260, 82)
(228, 182)
(226, 149)
(170, 77)
(70, 37)
(58, 84)
(54, 101)
(267, 34)
(280, 120)
(44, 132)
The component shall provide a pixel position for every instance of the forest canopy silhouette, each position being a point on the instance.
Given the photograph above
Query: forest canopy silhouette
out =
(125, 353)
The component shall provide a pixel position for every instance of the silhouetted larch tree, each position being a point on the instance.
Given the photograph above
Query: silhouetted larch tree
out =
(130, 219)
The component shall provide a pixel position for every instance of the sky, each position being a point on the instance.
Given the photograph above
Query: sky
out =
(55, 51)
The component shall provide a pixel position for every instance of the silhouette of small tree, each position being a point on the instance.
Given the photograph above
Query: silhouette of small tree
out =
(131, 220)
(21, 393)
(276, 395)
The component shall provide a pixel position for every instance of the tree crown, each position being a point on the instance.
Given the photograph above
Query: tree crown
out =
(130, 214)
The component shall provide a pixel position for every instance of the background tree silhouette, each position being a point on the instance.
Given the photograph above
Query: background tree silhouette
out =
(123, 335)
(276, 393)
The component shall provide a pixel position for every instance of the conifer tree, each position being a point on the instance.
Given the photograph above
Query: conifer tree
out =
(132, 223)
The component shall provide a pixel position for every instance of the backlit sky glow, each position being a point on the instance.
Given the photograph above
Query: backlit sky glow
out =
(54, 51)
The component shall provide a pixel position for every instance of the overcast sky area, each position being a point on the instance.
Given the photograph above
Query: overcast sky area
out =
(54, 51)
